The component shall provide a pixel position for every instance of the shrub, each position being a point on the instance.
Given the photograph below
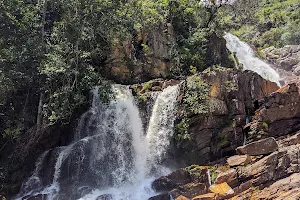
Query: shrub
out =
(196, 95)
(182, 130)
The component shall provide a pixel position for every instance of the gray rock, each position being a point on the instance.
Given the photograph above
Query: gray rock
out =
(286, 58)
(260, 147)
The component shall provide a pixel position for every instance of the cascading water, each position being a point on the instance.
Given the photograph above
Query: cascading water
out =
(161, 125)
(111, 154)
(246, 56)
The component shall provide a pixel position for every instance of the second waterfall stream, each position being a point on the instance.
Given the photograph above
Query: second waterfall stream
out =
(112, 156)
(246, 56)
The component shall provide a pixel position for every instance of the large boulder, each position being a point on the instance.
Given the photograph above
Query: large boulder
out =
(260, 147)
(171, 181)
(238, 160)
(229, 176)
(180, 178)
(223, 190)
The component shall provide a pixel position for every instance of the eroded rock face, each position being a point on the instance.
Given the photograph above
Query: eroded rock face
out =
(208, 196)
(223, 190)
(277, 114)
(147, 55)
(231, 101)
(189, 190)
(275, 166)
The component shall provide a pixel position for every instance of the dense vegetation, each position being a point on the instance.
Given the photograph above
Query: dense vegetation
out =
(265, 23)
(53, 52)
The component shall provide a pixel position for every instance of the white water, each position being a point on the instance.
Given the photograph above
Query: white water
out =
(161, 125)
(246, 56)
(209, 177)
(111, 153)
(151, 150)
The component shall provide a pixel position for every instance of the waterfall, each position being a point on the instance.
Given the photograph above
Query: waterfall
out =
(209, 177)
(111, 153)
(246, 56)
(161, 125)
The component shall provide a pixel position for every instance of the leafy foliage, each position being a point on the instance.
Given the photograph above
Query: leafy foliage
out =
(183, 130)
(265, 23)
(196, 94)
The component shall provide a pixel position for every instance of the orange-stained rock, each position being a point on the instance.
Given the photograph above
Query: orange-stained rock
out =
(182, 198)
(238, 160)
(222, 189)
(208, 196)
(215, 90)
(261, 147)
(229, 177)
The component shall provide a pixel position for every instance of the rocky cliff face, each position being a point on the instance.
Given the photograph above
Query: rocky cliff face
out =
(149, 55)
(286, 60)
(265, 168)
(231, 102)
